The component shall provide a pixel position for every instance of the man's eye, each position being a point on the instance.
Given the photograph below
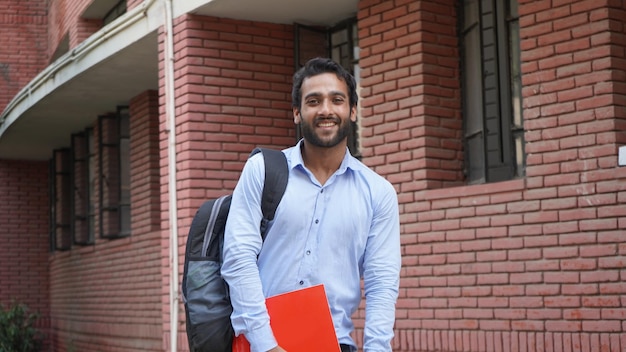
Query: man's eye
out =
(338, 100)
(312, 101)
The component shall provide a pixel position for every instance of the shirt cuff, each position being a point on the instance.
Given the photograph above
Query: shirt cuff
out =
(261, 339)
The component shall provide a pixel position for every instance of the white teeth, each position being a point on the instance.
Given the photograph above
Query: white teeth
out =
(327, 124)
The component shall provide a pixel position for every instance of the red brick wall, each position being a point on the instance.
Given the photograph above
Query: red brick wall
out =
(146, 211)
(233, 84)
(531, 264)
(107, 296)
(65, 20)
(23, 24)
(524, 265)
(57, 24)
(24, 243)
(411, 123)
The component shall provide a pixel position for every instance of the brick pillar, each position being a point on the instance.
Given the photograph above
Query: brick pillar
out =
(233, 85)
(411, 121)
(144, 146)
(574, 92)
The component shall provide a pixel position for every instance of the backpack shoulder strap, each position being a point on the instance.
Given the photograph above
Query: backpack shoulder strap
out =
(276, 177)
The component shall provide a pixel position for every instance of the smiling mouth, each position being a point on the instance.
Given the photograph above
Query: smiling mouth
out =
(326, 123)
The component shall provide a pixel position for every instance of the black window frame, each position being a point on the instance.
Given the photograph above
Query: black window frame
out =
(83, 195)
(75, 175)
(60, 200)
(115, 12)
(114, 179)
(493, 132)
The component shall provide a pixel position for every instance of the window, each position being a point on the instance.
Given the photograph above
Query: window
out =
(491, 85)
(118, 10)
(62, 48)
(83, 202)
(340, 43)
(91, 179)
(114, 146)
(76, 173)
(60, 183)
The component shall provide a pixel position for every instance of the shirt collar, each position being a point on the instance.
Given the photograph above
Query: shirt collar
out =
(348, 161)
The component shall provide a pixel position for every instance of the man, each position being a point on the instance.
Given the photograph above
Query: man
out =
(338, 222)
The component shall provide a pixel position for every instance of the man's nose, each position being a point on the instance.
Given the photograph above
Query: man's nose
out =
(324, 107)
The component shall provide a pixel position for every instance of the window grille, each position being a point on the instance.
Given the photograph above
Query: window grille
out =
(114, 166)
(60, 200)
(491, 85)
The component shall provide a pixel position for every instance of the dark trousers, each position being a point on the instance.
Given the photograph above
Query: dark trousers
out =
(345, 348)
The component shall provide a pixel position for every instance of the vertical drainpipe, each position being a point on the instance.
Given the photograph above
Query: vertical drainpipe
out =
(171, 152)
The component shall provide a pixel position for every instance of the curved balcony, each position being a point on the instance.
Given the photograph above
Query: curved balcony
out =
(120, 61)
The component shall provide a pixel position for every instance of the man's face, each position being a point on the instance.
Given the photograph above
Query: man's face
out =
(325, 113)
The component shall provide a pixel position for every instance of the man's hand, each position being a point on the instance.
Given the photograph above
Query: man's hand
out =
(277, 349)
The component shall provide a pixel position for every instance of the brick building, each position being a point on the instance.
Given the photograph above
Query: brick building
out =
(498, 122)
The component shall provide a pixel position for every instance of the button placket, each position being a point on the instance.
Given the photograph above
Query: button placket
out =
(309, 260)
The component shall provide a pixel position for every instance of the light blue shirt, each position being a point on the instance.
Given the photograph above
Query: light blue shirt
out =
(333, 234)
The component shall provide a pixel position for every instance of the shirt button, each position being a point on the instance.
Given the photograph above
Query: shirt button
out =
(308, 252)
(317, 221)
(322, 190)
(301, 282)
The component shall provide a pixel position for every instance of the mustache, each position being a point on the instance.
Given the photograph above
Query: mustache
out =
(334, 119)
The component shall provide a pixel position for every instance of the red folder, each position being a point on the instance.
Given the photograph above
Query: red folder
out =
(301, 322)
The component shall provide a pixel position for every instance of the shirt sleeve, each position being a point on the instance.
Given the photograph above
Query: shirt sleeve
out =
(381, 272)
(242, 244)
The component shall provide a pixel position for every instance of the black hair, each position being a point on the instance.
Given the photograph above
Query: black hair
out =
(318, 66)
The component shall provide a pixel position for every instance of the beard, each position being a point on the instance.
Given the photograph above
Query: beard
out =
(308, 132)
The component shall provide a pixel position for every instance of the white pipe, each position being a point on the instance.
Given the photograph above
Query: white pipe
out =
(171, 152)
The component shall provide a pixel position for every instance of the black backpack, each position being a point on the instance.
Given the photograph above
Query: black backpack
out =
(205, 293)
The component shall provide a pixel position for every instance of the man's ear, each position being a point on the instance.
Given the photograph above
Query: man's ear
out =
(353, 114)
(296, 115)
